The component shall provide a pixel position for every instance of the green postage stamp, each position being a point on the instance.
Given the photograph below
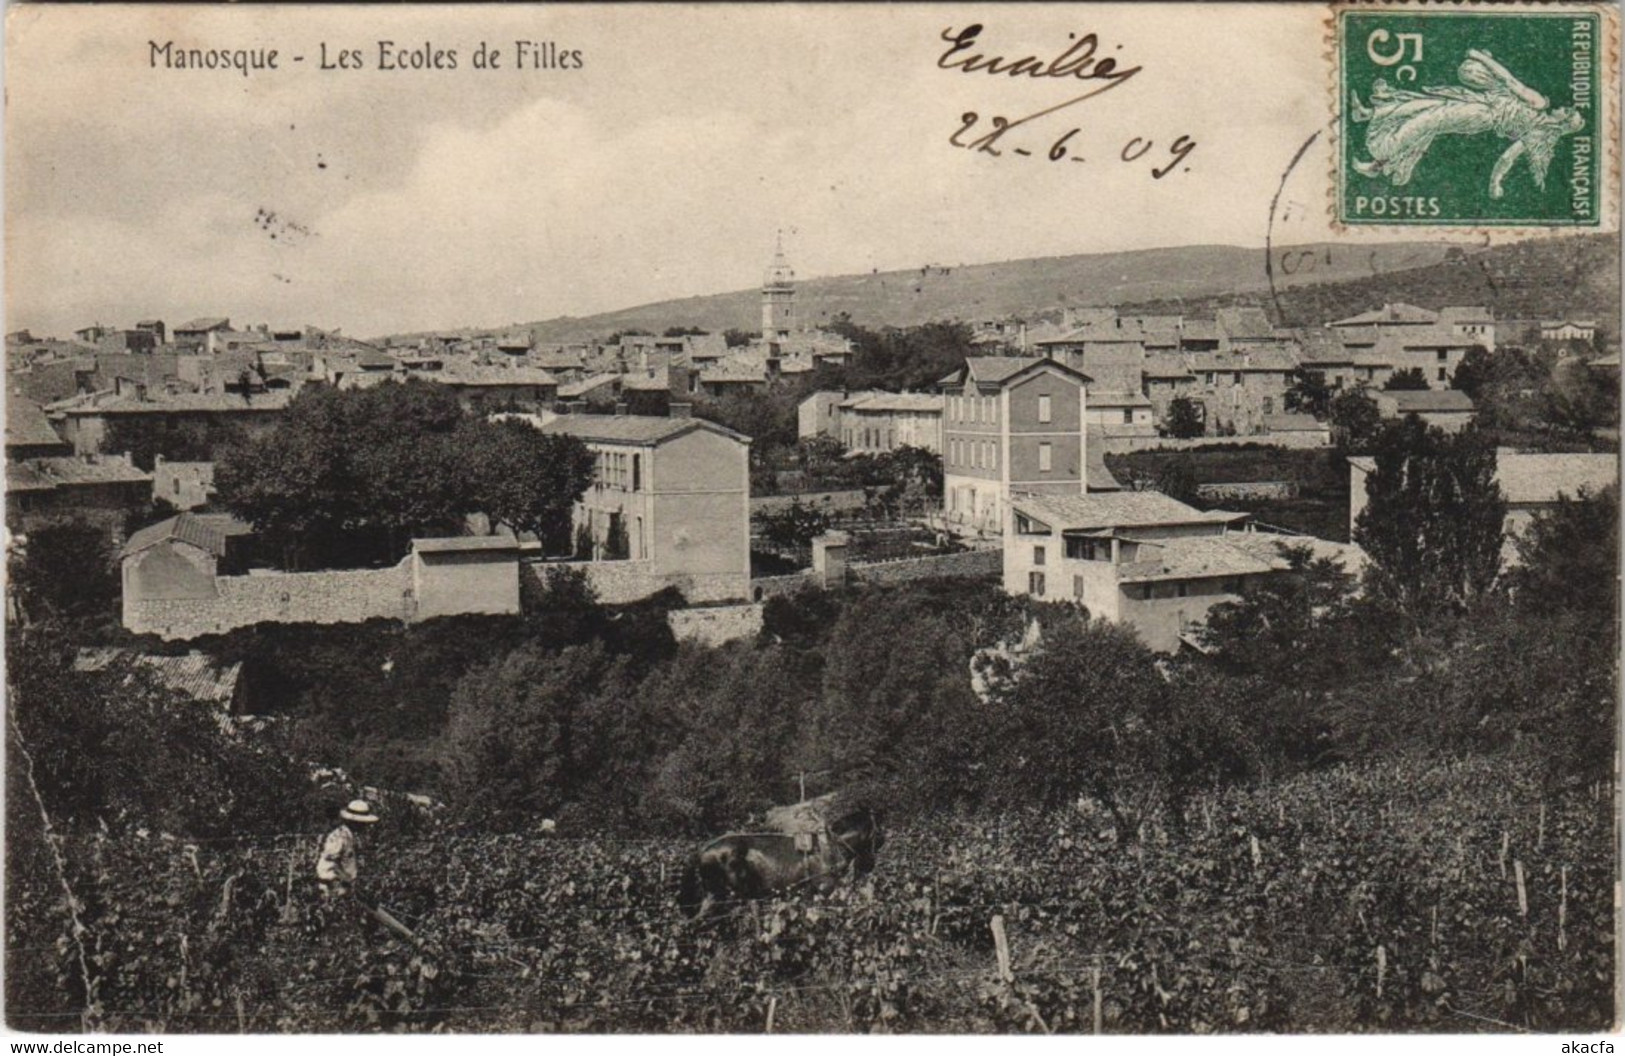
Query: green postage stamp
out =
(1471, 117)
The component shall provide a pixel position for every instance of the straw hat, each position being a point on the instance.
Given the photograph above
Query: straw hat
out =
(358, 810)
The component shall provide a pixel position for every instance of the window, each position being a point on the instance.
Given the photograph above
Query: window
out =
(1209, 377)
(1043, 408)
(637, 479)
(1237, 379)
(1441, 373)
(1444, 355)
(1128, 416)
(1038, 556)
(1269, 405)
(1035, 584)
(1182, 590)
(993, 404)
(1077, 586)
(1044, 458)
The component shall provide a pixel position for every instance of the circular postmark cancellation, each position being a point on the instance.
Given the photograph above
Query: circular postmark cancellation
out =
(1481, 117)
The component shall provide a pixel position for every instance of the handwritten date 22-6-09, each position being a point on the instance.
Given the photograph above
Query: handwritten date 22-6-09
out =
(1062, 149)
(1078, 61)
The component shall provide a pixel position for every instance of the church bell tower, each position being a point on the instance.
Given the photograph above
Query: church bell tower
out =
(778, 296)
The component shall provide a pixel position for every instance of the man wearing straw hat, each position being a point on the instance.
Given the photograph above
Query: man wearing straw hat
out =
(336, 865)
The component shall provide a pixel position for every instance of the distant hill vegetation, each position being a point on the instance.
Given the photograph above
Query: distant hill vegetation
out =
(1314, 283)
(1538, 279)
(1022, 288)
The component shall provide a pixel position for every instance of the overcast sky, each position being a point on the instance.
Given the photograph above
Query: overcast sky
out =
(662, 168)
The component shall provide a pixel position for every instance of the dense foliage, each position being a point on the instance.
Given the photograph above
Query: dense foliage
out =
(349, 477)
(146, 436)
(1407, 896)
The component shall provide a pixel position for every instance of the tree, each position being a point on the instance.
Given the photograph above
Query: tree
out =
(1432, 524)
(794, 527)
(1079, 721)
(685, 331)
(735, 338)
(145, 436)
(67, 570)
(510, 745)
(1355, 420)
(350, 477)
(1474, 374)
(1185, 419)
(1410, 379)
(1308, 393)
(1177, 480)
(529, 480)
(1568, 558)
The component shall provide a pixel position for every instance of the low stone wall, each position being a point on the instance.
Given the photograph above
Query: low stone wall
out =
(1120, 445)
(716, 625)
(989, 562)
(766, 587)
(623, 582)
(283, 597)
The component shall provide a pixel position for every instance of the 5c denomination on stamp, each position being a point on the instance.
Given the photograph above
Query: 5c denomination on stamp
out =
(1470, 117)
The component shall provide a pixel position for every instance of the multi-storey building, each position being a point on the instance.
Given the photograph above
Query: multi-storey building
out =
(673, 493)
(1010, 423)
(1142, 558)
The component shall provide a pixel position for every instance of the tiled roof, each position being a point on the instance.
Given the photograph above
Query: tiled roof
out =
(557, 360)
(66, 471)
(1265, 360)
(1466, 314)
(171, 403)
(1199, 330)
(206, 323)
(1389, 314)
(912, 402)
(465, 373)
(1194, 558)
(994, 369)
(631, 428)
(466, 544)
(1354, 336)
(26, 424)
(206, 531)
(1423, 401)
(1165, 366)
(1124, 509)
(1250, 323)
(196, 675)
(1541, 478)
(655, 380)
(580, 388)
(1269, 546)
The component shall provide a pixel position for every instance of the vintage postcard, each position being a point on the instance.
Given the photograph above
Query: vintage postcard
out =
(811, 519)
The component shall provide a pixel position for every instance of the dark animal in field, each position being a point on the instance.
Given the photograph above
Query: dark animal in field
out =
(750, 865)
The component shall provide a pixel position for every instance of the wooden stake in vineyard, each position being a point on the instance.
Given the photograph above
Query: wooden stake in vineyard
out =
(1001, 946)
(1094, 976)
(772, 1007)
(1540, 833)
(1382, 967)
(1506, 842)
(1523, 897)
(1563, 908)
